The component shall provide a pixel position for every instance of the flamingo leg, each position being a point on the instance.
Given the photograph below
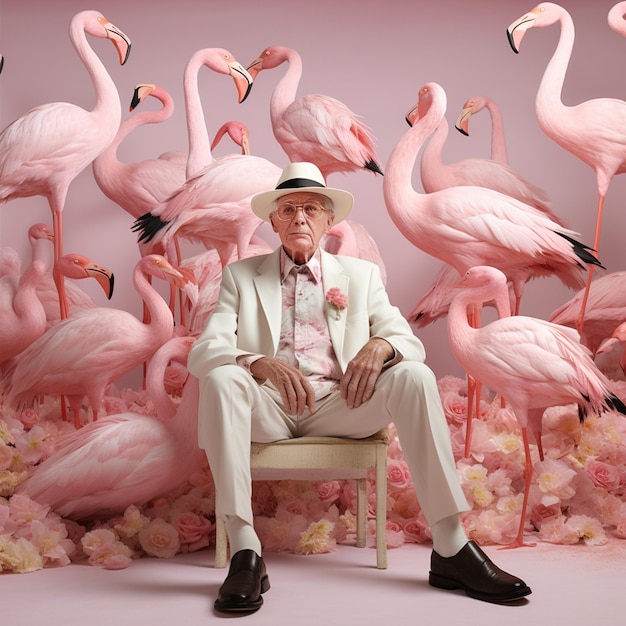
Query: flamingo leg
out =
(59, 279)
(539, 445)
(474, 387)
(179, 257)
(471, 388)
(518, 542)
(596, 245)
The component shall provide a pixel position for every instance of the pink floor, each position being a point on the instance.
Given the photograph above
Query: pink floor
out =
(571, 585)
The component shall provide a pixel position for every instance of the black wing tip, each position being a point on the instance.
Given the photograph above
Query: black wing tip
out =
(148, 225)
(374, 167)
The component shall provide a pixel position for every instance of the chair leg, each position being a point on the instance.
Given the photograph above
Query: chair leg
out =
(361, 511)
(381, 507)
(221, 543)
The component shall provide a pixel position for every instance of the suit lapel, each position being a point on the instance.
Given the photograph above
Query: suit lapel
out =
(267, 284)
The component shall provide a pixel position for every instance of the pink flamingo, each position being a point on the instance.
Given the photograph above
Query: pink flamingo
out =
(81, 355)
(435, 303)
(606, 309)
(616, 20)
(594, 130)
(534, 363)
(351, 238)
(437, 175)
(466, 226)
(237, 131)
(476, 104)
(44, 150)
(77, 267)
(618, 336)
(139, 187)
(213, 206)
(127, 458)
(23, 317)
(315, 128)
(74, 266)
(200, 297)
(24, 320)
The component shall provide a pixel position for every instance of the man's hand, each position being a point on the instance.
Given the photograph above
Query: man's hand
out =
(295, 390)
(359, 380)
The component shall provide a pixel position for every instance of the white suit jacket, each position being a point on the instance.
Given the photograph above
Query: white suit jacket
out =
(247, 316)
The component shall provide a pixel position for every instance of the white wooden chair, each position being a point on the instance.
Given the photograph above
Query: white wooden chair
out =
(324, 458)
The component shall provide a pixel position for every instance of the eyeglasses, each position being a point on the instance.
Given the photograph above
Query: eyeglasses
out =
(311, 210)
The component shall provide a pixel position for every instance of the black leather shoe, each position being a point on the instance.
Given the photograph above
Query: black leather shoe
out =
(472, 571)
(246, 581)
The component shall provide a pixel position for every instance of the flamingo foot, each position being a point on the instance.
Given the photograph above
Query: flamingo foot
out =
(518, 543)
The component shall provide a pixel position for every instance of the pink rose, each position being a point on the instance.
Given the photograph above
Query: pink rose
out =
(330, 491)
(398, 477)
(159, 538)
(336, 300)
(416, 531)
(603, 475)
(190, 526)
(29, 418)
(454, 407)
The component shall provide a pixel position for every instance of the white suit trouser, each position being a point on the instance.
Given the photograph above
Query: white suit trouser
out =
(235, 410)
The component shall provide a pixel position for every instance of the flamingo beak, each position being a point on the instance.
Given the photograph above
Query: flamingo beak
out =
(1, 63)
(462, 122)
(243, 80)
(255, 67)
(103, 276)
(179, 276)
(120, 41)
(516, 31)
(140, 94)
(412, 116)
(245, 143)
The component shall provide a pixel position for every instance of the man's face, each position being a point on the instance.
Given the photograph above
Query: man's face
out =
(300, 234)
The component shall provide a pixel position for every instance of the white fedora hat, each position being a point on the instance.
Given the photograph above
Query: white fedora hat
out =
(298, 177)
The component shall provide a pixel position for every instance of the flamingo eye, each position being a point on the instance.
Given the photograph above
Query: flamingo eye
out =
(227, 57)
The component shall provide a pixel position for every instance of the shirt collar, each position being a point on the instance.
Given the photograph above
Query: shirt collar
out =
(314, 266)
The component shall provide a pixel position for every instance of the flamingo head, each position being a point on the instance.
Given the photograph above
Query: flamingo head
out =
(141, 92)
(39, 232)
(471, 107)
(119, 39)
(158, 266)
(222, 61)
(77, 266)
(237, 131)
(268, 59)
(488, 283)
(543, 14)
(96, 25)
(424, 102)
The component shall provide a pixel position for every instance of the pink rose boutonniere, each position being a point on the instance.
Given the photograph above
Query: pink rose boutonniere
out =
(336, 300)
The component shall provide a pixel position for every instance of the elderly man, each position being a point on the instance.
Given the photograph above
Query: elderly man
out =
(305, 343)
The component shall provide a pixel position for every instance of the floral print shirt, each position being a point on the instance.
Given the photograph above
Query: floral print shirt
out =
(304, 338)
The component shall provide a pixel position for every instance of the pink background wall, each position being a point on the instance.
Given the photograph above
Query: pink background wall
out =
(374, 56)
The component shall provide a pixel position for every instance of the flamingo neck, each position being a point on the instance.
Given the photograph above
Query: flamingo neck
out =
(161, 322)
(551, 85)
(107, 106)
(432, 161)
(197, 134)
(285, 91)
(401, 198)
(499, 152)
